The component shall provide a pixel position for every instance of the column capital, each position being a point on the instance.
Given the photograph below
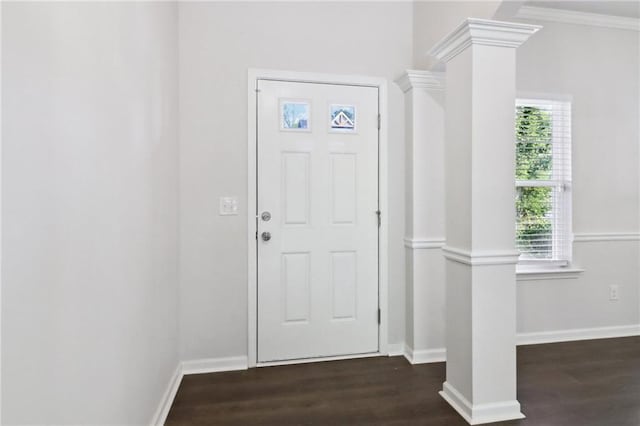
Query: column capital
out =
(419, 79)
(482, 32)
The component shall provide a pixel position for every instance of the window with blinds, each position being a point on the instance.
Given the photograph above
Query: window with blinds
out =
(543, 181)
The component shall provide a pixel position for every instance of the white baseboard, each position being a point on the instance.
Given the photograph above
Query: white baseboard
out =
(214, 365)
(198, 366)
(424, 356)
(577, 334)
(169, 395)
(480, 413)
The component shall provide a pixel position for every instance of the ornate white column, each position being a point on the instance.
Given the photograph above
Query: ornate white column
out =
(480, 252)
(424, 112)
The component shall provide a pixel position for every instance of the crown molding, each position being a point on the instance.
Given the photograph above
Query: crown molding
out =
(482, 32)
(419, 79)
(579, 18)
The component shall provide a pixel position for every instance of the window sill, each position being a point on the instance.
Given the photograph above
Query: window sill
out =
(536, 273)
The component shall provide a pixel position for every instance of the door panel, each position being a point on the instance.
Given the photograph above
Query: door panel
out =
(318, 179)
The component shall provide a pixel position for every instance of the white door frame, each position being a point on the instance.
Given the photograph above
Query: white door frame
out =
(252, 272)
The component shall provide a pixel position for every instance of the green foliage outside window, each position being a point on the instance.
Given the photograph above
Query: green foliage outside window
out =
(534, 162)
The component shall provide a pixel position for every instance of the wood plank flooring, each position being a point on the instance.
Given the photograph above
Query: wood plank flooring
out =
(587, 383)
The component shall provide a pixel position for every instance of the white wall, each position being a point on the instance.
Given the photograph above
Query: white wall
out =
(599, 68)
(89, 174)
(218, 43)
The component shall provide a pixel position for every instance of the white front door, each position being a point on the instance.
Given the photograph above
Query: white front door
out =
(317, 220)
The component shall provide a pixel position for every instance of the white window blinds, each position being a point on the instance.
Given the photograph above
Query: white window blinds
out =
(543, 180)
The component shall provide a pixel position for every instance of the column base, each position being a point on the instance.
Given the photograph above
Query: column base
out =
(480, 413)
(424, 356)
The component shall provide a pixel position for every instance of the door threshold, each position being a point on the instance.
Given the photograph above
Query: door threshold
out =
(318, 359)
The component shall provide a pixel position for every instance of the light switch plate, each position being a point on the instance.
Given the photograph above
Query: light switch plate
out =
(228, 206)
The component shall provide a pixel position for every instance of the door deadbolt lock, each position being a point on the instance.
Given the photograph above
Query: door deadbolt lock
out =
(266, 216)
(266, 236)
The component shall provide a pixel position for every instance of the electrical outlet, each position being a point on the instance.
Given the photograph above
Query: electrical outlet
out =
(228, 206)
(613, 292)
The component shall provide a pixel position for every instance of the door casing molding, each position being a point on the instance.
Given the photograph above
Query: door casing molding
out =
(252, 258)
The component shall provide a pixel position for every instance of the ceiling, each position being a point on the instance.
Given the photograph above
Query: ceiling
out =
(628, 9)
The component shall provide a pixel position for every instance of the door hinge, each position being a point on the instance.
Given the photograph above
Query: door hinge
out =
(379, 315)
(379, 214)
(256, 235)
(379, 120)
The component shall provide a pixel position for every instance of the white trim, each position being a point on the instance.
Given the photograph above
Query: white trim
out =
(383, 234)
(572, 335)
(310, 77)
(1, 145)
(419, 79)
(483, 32)
(421, 356)
(197, 366)
(425, 356)
(561, 207)
(579, 18)
(555, 273)
(480, 258)
(160, 417)
(527, 97)
(214, 365)
(602, 237)
(252, 220)
(426, 243)
(457, 401)
(480, 413)
(318, 359)
(252, 76)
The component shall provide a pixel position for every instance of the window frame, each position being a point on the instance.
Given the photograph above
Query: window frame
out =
(560, 183)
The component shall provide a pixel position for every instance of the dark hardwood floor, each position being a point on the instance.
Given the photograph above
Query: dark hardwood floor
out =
(594, 382)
